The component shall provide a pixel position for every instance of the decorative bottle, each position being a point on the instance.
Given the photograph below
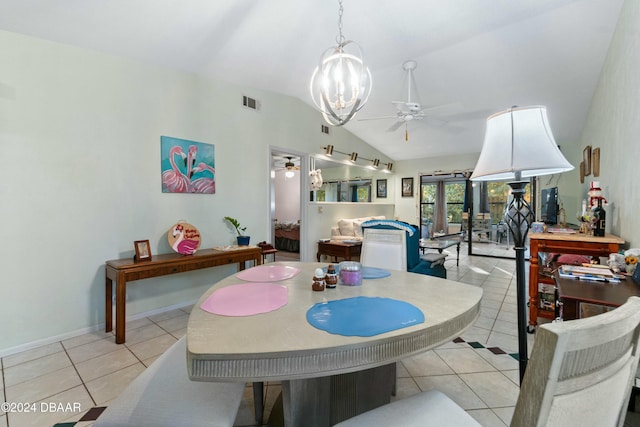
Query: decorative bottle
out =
(599, 216)
(331, 279)
(318, 280)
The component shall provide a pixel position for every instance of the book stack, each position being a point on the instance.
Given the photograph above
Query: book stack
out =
(579, 272)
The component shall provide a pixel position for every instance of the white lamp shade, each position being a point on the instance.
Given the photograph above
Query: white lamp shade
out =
(519, 140)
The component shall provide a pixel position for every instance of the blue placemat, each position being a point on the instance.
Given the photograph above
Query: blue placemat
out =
(374, 272)
(363, 316)
(367, 272)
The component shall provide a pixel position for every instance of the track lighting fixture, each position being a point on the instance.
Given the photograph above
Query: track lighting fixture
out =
(353, 157)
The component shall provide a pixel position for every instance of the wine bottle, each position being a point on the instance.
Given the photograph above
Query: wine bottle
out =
(599, 216)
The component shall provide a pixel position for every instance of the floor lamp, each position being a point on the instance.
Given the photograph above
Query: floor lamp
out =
(518, 145)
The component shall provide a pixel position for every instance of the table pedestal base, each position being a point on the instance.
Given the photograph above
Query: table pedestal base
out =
(326, 401)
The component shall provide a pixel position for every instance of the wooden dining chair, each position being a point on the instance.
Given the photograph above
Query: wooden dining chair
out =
(580, 374)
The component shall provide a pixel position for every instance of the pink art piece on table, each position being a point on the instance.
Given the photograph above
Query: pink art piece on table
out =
(268, 273)
(184, 238)
(246, 299)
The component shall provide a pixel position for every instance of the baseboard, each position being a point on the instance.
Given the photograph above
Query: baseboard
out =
(50, 340)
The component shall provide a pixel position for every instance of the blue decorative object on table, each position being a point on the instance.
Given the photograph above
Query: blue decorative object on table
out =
(363, 316)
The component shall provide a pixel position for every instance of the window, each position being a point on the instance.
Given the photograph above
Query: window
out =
(455, 201)
(454, 195)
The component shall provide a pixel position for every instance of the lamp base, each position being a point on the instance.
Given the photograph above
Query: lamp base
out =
(518, 218)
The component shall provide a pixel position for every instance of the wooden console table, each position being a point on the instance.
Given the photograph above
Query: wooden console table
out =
(337, 248)
(126, 270)
(581, 244)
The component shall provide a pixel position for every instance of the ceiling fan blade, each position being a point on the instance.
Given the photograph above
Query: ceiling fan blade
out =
(378, 118)
(434, 121)
(395, 126)
(454, 107)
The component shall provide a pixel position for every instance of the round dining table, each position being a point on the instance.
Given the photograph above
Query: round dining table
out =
(326, 377)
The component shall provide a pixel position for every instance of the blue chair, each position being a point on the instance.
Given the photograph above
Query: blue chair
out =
(415, 263)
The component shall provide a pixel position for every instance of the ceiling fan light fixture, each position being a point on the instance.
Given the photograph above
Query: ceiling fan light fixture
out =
(341, 84)
(289, 174)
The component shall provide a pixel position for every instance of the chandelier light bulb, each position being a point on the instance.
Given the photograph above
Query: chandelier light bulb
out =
(341, 84)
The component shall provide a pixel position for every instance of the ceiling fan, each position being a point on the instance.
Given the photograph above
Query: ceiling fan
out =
(289, 166)
(411, 109)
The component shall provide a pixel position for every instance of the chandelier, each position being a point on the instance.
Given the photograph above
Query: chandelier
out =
(341, 84)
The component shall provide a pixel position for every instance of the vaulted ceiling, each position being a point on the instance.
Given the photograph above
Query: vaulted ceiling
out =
(474, 57)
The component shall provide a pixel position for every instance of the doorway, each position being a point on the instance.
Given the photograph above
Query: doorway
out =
(287, 171)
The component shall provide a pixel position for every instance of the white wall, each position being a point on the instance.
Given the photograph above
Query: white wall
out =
(613, 124)
(80, 177)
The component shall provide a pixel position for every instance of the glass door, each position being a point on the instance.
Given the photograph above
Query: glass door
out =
(489, 233)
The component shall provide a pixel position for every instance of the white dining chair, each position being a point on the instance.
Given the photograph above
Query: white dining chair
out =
(164, 396)
(580, 374)
(383, 248)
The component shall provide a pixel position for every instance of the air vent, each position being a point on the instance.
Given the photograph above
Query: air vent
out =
(249, 103)
(324, 129)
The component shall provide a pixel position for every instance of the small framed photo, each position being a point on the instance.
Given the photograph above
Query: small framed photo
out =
(143, 250)
(586, 158)
(407, 187)
(381, 186)
(595, 162)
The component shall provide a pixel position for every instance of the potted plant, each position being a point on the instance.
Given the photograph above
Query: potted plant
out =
(242, 239)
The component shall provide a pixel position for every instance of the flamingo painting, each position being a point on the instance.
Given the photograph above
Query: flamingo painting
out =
(193, 172)
(191, 160)
(204, 184)
(173, 180)
(184, 238)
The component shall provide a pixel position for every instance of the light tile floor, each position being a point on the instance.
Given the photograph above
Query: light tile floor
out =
(91, 370)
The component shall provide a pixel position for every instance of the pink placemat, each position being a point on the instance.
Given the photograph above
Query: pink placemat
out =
(246, 299)
(268, 273)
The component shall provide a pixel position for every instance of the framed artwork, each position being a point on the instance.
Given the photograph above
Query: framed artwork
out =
(187, 166)
(595, 162)
(407, 187)
(586, 158)
(143, 250)
(581, 172)
(381, 186)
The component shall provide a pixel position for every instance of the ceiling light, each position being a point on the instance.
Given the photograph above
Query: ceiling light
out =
(328, 150)
(289, 174)
(376, 162)
(341, 84)
(354, 157)
(389, 166)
